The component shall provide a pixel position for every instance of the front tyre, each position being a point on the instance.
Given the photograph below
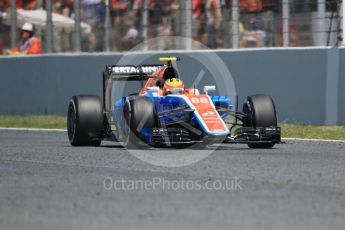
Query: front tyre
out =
(261, 112)
(85, 120)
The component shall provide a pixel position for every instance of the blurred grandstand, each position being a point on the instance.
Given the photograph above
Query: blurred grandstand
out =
(119, 25)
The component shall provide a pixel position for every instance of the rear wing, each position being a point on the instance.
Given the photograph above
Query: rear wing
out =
(124, 73)
(131, 72)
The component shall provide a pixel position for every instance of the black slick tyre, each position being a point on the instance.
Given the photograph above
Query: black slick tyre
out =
(139, 113)
(85, 120)
(261, 112)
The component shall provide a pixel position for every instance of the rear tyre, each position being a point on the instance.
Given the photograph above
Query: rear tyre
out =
(85, 120)
(139, 113)
(261, 112)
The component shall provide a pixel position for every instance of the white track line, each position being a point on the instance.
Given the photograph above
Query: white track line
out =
(34, 129)
(64, 130)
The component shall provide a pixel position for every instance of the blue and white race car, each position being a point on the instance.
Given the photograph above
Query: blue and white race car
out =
(166, 113)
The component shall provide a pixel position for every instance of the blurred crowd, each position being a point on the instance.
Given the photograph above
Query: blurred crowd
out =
(211, 24)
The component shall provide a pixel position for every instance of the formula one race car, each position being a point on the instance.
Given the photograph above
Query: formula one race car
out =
(165, 113)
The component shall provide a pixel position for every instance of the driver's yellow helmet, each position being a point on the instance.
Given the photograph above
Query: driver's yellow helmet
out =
(173, 86)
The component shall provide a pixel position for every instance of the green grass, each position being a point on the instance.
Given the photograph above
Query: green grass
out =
(313, 131)
(32, 121)
(288, 130)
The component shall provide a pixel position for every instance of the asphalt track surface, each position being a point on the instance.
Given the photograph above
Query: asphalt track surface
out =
(47, 184)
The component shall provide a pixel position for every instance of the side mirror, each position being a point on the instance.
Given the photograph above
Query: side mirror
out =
(153, 90)
(208, 88)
